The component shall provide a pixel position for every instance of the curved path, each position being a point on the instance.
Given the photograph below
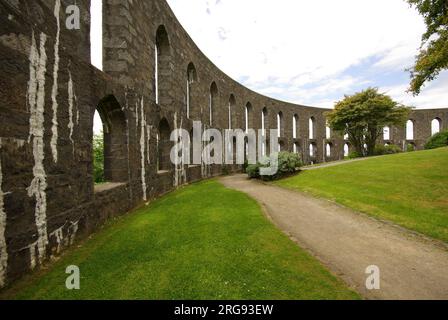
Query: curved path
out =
(347, 242)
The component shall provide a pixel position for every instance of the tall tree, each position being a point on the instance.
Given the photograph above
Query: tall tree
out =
(433, 55)
(363, 117)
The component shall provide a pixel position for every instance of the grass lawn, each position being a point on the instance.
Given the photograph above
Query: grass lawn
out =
(201, 242)
(410, 189)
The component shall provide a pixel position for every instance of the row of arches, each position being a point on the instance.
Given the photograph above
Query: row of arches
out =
(436, 126)
(162, 53)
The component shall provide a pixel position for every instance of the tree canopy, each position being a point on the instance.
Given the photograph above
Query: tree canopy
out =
(363, 117)
(433, 55)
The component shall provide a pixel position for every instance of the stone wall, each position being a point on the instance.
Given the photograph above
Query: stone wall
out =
(49, 93)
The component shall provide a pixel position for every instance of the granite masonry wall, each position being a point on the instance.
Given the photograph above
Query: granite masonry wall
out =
(49, 92)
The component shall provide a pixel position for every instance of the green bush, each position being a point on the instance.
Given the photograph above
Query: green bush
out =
(98, 158)
(381, 150)
(410, 148)
(354, 155)
(438, 140)
(253, 171)
(288, 163)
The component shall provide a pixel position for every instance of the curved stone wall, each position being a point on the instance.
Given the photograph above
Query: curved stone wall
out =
(49, 93)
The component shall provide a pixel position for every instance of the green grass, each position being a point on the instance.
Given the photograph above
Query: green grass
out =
(409, 189)
(201, 242)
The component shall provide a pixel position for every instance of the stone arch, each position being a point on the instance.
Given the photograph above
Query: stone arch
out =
(295, 126)
(296, 147)
(248, 117)
(280, 126)
(329, 150)
(327, 131)
(410, 130)
(264, 121)
(313, 150)
(264, 128)
(312, 128)
(115, 139)
(386, 133)
(162, 60)
(410, 146)
(346, 150)
(436, 126)
(281, 146)
(192, 78)
(213, 101)
(164, 146)
(232, 105)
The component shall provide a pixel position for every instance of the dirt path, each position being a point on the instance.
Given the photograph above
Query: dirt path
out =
(347, 242)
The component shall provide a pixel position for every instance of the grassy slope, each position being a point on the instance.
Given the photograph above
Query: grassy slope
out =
(202, 242)
(409, 189)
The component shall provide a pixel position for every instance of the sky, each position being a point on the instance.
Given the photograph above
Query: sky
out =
(313, 52)
(309, 52)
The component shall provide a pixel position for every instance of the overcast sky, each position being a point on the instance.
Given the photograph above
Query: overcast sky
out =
(312, 51)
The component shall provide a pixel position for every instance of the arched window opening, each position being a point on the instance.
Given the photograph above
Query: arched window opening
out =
(109, 142)
(161, 62)
(327, 131)
(96, 33)
(248, 115)
(280, 124)
(328, 148)
(386, 133)
(312, 128)
(98, 149)
(313, 150)
(435, 126)
(164, 146)
(191, 78)
(346, 150)
(264, 118)
(296, 147)
(410, 130)
(295, 121)
(281, 146)
(410, 147)
(213, 101)
(232, 104)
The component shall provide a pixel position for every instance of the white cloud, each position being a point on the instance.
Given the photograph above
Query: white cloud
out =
(300, 50)
(433, 96)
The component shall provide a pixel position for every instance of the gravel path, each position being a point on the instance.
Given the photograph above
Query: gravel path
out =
(347, 242)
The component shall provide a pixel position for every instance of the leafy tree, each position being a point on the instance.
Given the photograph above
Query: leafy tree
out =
(433, 55)
(363, 117)
(98, 158)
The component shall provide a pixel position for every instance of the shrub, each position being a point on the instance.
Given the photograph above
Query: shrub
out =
(381, 150)
(98, 158)
(253, 171)
(288, 163)
(410, 148)
(438, 140)
(354, 155)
